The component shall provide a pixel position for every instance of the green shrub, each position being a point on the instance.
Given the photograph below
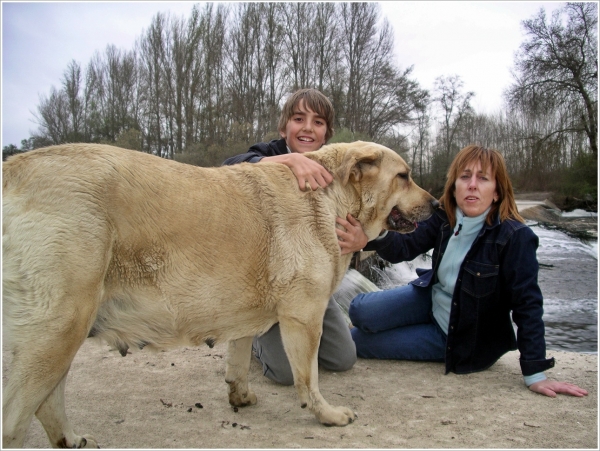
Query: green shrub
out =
(579, 184)
(345, 135)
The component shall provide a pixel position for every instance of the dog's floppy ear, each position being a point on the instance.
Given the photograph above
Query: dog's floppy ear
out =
(357, 161)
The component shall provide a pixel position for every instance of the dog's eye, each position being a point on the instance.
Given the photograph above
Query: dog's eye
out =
(403, 175)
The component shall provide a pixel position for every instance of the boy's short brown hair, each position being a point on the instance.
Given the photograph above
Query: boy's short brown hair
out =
(313, 99)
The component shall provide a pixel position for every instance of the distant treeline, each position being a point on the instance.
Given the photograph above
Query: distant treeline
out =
(202, 88)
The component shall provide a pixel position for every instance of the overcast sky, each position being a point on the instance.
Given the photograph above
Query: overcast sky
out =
(474, 40)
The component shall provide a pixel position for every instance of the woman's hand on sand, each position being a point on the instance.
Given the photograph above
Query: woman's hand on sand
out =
(552, 388)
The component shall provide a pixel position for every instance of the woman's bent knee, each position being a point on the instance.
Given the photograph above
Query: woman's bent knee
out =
(355, 310)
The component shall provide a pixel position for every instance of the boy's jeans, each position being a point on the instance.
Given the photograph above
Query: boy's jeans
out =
(396, 324)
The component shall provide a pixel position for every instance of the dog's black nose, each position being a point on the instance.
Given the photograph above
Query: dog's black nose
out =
(435, 204)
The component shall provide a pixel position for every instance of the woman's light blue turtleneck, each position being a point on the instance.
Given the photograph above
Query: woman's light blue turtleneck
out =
(458, 246)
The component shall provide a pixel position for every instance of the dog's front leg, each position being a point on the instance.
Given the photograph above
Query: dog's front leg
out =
(301, 342)
(236, 374)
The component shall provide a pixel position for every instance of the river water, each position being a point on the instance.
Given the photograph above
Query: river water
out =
(568, 278)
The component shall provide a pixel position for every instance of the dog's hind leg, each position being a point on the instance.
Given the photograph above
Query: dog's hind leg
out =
(301, 341)
(31, 379)
(36, 381)
(35, 384)
(51, 414)
(17, 413)
(43, 349)
(238, 363)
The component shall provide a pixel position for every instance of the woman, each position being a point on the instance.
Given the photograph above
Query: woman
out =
(484, 267)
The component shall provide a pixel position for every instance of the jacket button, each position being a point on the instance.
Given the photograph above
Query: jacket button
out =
(478, 274)
(449, 348)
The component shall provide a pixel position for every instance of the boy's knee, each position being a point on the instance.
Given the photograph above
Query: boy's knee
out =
(343, 361)
(281, 378)
(346, 363)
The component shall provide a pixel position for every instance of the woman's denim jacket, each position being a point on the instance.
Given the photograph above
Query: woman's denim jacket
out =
(498, 276)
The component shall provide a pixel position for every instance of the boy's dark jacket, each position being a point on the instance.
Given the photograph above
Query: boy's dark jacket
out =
(258, 151)
(497, 276)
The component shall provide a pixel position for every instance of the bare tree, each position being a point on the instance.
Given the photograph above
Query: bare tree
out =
(270, 83)
(60, 116)
(379, 96)
(152, 48)
(217, 79)
(455, 106)
(72, 84)
(210, 102)
(53, 117)
(359, 28)
(557, 68)
(326, 45)
(420, 145)
(299, 18)
(241, 83)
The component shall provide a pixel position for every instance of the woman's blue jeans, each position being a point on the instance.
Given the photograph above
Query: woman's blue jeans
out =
(396, 324)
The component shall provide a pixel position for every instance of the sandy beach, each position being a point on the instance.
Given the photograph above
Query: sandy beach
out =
(178, 399)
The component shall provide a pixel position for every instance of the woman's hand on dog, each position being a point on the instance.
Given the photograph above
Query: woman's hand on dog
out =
(352, 238)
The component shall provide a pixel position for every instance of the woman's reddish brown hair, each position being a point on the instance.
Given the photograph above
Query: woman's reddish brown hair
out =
(505, 206)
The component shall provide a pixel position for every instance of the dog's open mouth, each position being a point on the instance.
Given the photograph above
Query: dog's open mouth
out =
(398, 222)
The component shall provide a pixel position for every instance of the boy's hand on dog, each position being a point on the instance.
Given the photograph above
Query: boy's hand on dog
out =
(352, 238)
(310, 174)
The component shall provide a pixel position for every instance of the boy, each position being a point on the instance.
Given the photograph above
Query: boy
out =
(306, 123)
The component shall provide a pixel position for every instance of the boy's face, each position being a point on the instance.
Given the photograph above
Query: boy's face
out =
(305, 131)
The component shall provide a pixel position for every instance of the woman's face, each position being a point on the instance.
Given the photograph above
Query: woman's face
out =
(475, 190)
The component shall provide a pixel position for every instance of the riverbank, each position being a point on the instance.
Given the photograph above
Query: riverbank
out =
(178, 399)
(539, 208)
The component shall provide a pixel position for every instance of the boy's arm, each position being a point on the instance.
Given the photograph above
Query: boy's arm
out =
(310, 174)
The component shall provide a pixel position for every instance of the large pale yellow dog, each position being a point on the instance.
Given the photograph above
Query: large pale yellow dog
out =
(146, 252)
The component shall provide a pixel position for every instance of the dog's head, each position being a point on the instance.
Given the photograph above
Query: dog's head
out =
(389, 197)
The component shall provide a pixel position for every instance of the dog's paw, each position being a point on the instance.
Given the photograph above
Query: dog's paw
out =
(237, 399)
(80, 442)
(89, 442)
(337, 416)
